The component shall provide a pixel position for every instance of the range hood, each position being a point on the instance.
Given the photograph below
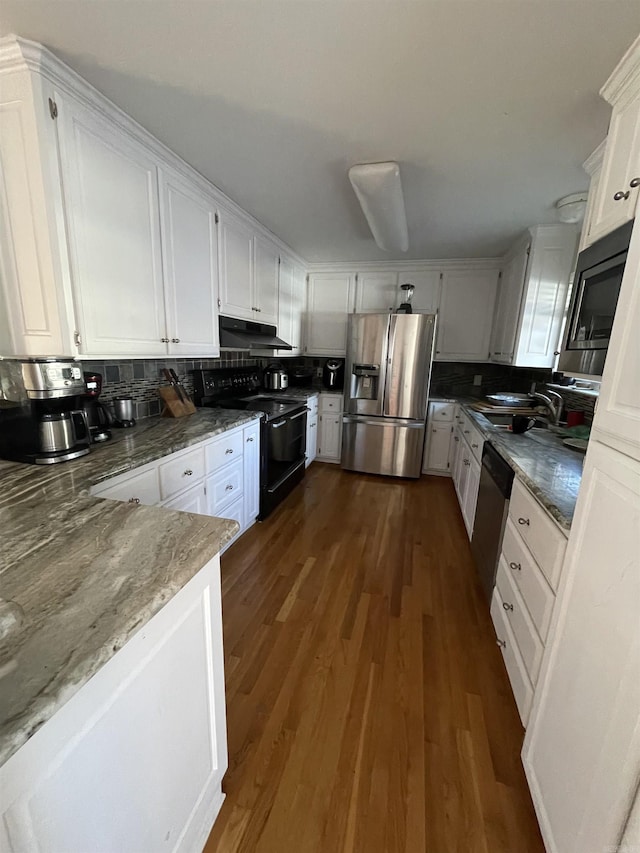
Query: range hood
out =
(243, 334)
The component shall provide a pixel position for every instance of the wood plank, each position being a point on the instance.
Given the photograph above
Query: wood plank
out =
(368, 705)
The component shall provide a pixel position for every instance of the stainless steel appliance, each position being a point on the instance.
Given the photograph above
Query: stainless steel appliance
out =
(387, 374)
(596, 288)
(123, 412)
(246, 335)
(333, 374)
(97, 416)
(283, 427)
(275, 378)
(496, 480)
(40, 418)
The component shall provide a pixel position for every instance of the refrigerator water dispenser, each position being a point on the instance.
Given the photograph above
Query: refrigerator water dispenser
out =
(364, 381)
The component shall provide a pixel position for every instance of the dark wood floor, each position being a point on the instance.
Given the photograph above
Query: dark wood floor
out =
(368, 705)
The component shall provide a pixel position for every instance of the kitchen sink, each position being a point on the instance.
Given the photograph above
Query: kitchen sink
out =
(504, 420)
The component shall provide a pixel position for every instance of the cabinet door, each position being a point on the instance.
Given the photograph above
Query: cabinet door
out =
(466, 315)
(251, 435)
(266, 274)
(190, 254)
(617, 417)
(508, 303)
(111, 197)
(582, 748)
(298, 310)
(547, 283)
(330, 301)
(376, 292)
(312, 438)
(426, 296)
(330, 435)
(235, 253)
(471, 493)
(620, 166)
(438, 442)
(193, 500)
(291, 303)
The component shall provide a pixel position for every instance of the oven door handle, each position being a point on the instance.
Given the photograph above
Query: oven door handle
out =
(299, 415)
(277, 426)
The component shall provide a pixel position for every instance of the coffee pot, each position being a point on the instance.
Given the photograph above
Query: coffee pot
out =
(59, 432)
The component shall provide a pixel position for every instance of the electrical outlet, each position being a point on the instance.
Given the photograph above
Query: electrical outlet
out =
(477, 379)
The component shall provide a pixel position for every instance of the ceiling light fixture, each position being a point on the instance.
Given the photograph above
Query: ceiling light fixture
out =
(379, 191)
(571, 208)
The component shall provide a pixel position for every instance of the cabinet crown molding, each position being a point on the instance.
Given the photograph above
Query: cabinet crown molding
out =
(624, 82)
(594, 160)
(404, 266)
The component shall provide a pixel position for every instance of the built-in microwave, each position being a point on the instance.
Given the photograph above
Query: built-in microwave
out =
(596, 288)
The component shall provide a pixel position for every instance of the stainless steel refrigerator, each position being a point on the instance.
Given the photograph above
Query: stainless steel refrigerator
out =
(387, 376)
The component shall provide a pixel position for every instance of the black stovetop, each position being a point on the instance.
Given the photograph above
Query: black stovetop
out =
(273, 407)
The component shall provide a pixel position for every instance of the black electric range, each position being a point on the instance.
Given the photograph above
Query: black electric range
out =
(283, 428)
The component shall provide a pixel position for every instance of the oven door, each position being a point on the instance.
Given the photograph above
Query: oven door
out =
(285, 442)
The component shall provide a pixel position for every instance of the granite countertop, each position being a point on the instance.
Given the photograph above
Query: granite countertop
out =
(80, 575)
(550, 470)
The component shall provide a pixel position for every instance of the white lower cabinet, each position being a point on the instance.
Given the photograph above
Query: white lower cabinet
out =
(218, 477)
(516, 670)
(330, 427)
(439, 445)
(134, 760)
(466, 467)
(312, 430)
(471, 494)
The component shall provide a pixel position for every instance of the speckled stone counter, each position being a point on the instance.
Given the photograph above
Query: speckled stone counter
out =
(83, 574)
(551, 471)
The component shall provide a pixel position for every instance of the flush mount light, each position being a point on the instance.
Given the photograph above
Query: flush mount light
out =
(571, 208)
(379, 191)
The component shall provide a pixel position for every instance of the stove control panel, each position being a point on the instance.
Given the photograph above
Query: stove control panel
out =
(221, 383)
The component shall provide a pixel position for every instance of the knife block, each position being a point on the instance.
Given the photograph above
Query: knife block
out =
(174, 407)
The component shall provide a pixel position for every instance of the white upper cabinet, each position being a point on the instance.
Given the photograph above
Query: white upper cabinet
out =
(291, 305)
(376, 292)
(330, 301)
(36, 314)
(190, 255)
(466, 314)
(110, 184)
(593, 166)
(532, 297)
(236, 267)
(266, 271)
(616, 197)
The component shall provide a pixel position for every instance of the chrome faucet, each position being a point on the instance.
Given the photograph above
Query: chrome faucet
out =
(554, 403)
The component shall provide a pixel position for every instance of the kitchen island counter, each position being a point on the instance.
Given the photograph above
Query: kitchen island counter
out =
(79, 575)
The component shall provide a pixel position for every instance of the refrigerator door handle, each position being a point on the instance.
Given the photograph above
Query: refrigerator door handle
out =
(391, 339)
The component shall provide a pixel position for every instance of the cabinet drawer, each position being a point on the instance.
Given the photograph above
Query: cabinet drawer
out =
(472, 436)
(223, 450)
(529, 643)
(520, 684)
(178, 473)
(541, 535)
(442, 412)
(142, 487)
(224, 486)
(533, 586)
(331, 403)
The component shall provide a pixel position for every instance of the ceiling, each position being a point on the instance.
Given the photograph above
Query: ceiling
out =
(489, 107)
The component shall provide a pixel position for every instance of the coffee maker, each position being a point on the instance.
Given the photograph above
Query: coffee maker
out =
(97, 416)
(40, 421)
(333, 374)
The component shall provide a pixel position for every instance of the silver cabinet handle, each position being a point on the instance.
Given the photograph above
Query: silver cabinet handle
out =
(228, 488)
(507, 606)
(466, 431)
(635, 182)
(515, 566)
(466, 462)
(188, 473)
(501, 643)
(164, 340)
(524, 521)
(619, 196)
(250, 438)
(277, 426)
(135, 501)
(455, 438)
(175, 340)
(229, 450)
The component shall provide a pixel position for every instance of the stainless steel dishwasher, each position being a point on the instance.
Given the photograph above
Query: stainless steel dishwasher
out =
(496, 479)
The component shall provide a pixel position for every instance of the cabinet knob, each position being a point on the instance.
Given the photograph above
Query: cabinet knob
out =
(175, 340)
(475, 446)
(164, 340)
(229, 450)
(619, 196)
(228, 488)
(501, 643)
(466, 462)
(135, 501)
(250, 438)
(506, 606)
(455, 438)
(524, 521)
(466, 431)
(634, 183)
(515, 566)
(556, 352)
(188, 472)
